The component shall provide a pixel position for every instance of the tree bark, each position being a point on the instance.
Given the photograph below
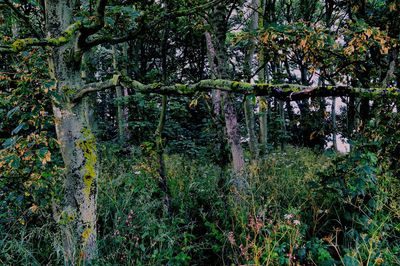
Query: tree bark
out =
(334, 127)
(250, 124)
(248, 104)
(232, 128)
(77, 142)
(122, 111)
(163, 183)
(263, 102)
(231, 124)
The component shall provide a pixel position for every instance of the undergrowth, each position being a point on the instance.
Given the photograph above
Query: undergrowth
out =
(295, 208)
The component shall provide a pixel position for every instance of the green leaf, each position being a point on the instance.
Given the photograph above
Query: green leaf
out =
(18, 128)
(13, 111)
(9, 142)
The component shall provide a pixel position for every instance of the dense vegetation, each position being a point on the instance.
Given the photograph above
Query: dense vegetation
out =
(199, 132)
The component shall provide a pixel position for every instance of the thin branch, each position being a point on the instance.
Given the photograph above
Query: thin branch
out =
(142, 25)
(131, 35)
(98, 23)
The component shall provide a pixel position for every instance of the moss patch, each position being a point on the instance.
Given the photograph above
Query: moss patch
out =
(86, 233)
(88, 146)
(22, 44)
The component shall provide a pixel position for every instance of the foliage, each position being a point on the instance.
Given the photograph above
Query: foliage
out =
(298, 206)
(30, 167)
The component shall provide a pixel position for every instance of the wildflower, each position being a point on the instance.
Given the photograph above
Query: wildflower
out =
(243, 250)
(288, 216)
(231, 238)
(259, 224)
(137, 172)
(296, 222)
(379, 261)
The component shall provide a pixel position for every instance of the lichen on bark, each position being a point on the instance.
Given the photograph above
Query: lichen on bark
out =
(88, 147)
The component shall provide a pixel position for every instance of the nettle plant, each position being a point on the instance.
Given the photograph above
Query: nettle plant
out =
(363, 190)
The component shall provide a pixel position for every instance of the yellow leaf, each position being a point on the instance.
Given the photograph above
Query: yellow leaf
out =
(349, 50)
(312, 136)
(384, 50)
(303, 43)
(263, 104)
(47, 158)
(193, 103)
(368, 32)
(33, 208)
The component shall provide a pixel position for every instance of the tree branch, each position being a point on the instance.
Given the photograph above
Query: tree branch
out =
(143, 25)
(23, 44)
(116, 40)
(23, 18)
(95, 86)
(287, 92)
(98, 23)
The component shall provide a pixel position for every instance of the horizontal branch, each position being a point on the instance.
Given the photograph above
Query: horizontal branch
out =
(95, 86)
(286, 92)
(23, 44)
(290, 92)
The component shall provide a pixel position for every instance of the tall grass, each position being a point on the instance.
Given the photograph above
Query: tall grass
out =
(288, 214)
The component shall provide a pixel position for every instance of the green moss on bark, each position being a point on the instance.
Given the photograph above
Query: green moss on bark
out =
(88, 147)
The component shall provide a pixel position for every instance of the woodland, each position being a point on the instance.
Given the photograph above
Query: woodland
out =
(201, 132)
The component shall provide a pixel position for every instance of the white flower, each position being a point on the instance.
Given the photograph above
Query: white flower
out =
(288, 216)
(296, 222)
(137, 173)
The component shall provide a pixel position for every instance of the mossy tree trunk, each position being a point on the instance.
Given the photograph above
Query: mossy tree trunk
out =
(77, 142)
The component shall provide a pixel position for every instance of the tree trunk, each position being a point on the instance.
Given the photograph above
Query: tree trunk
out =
(334, 128)
(122, 111)
(231, 124)
(163, 183)
(77, 142)
(248, 105)
(250, 124)
(263, 102)
(232, 129)
(283, 124)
